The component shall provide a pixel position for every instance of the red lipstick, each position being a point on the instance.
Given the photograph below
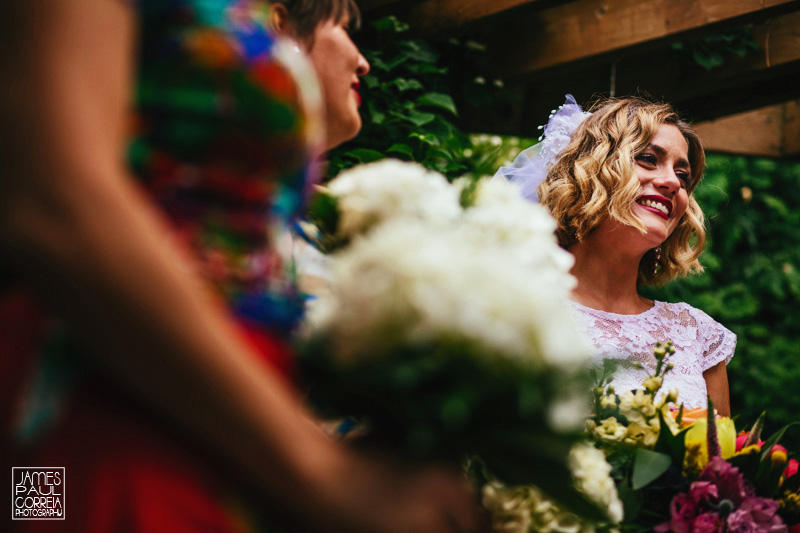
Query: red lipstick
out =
(643, 200)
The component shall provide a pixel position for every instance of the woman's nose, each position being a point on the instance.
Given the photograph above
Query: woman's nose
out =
(362, 69)
(667, 180)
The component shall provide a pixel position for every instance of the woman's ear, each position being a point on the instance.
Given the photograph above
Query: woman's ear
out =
(279, 18)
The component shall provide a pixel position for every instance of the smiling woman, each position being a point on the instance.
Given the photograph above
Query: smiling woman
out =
(322, 28)
(621, 194)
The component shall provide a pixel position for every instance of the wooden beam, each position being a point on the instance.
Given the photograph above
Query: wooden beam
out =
(371, 5)
(435, 16)
(586, 28)
(770, 131)
(791, 128)
(758, 132)
(766, 76)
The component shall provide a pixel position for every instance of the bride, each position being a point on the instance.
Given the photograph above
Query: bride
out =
(620, 188)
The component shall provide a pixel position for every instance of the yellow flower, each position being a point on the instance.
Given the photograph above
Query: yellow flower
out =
(753, 448)
(692, 461)
(790, 503)
(608, 401)
(642, 434)
(666, 413)
(610, 430)
(698, 434)
(653, 383)
(778, 458)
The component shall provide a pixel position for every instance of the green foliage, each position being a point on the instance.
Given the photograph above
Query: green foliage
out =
(712, 51)
(409, 100)
(752, 283)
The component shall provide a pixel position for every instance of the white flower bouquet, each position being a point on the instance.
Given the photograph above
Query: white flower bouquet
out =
(444, 328)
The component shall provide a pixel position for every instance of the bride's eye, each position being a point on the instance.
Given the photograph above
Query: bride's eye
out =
(648, 159)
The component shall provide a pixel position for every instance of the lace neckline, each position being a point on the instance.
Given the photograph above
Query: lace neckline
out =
(616, 316)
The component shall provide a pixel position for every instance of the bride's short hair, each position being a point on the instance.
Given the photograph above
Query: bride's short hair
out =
(594, 177)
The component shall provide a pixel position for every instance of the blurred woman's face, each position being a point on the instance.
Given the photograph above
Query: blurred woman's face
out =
(339, 65)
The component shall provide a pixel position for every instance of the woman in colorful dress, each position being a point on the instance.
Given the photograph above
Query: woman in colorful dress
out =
(619, 183)
(145, 297)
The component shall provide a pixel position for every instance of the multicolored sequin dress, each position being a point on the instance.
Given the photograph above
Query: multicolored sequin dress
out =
(223, 139)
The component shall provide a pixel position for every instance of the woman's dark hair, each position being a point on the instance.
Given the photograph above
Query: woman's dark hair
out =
(306, 15)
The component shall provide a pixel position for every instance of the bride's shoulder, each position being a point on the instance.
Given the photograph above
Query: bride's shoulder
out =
(690, 315)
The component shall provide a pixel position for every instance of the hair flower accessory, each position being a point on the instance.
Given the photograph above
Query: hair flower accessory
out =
(531, 165)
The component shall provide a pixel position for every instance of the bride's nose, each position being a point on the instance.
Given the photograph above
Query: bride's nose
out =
(667, 181)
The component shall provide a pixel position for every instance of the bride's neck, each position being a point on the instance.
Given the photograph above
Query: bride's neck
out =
(607, 279)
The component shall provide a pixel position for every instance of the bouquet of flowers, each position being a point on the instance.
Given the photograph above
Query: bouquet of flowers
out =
(684, 471)
(443, 330)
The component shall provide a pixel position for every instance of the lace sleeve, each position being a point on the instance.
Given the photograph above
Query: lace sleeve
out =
(719, 342)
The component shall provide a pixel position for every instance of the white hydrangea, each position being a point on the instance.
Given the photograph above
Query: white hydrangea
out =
(371, 193)
(569, 409)
(593, 476)
(404, 284)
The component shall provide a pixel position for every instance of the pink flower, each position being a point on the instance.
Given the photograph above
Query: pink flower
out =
(728, 480)
(722, 500)
(702, 492)
(741, 438)
(791, 468)
(756, 515)
(707, 523)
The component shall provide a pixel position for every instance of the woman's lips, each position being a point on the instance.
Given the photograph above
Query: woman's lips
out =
(355, 87)
(656, 204)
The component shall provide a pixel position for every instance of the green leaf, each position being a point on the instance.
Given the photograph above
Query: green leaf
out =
(396, 61)
(379, 64)
(324, 212)
(390, 24)
(440, 100)
(370, 81)
(672, 445)
(419, 50)
(365, 155)
(418, 118)
(404, 84)
(648, 466)
(632, 501)
(424, 138)
(774, 439)
(438, 153)
(401, 149)
(377, 117)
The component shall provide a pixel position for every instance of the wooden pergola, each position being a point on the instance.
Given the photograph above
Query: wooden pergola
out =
(548, 48)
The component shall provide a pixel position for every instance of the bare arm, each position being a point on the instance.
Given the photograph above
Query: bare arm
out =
(717, 384)
(95, 250)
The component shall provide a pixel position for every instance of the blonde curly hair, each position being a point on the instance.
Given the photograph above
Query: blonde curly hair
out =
(594, 177)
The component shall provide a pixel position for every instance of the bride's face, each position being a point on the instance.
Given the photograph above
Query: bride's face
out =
(664, 174)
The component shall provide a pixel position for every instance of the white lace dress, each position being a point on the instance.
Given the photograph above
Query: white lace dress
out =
(700, 343)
